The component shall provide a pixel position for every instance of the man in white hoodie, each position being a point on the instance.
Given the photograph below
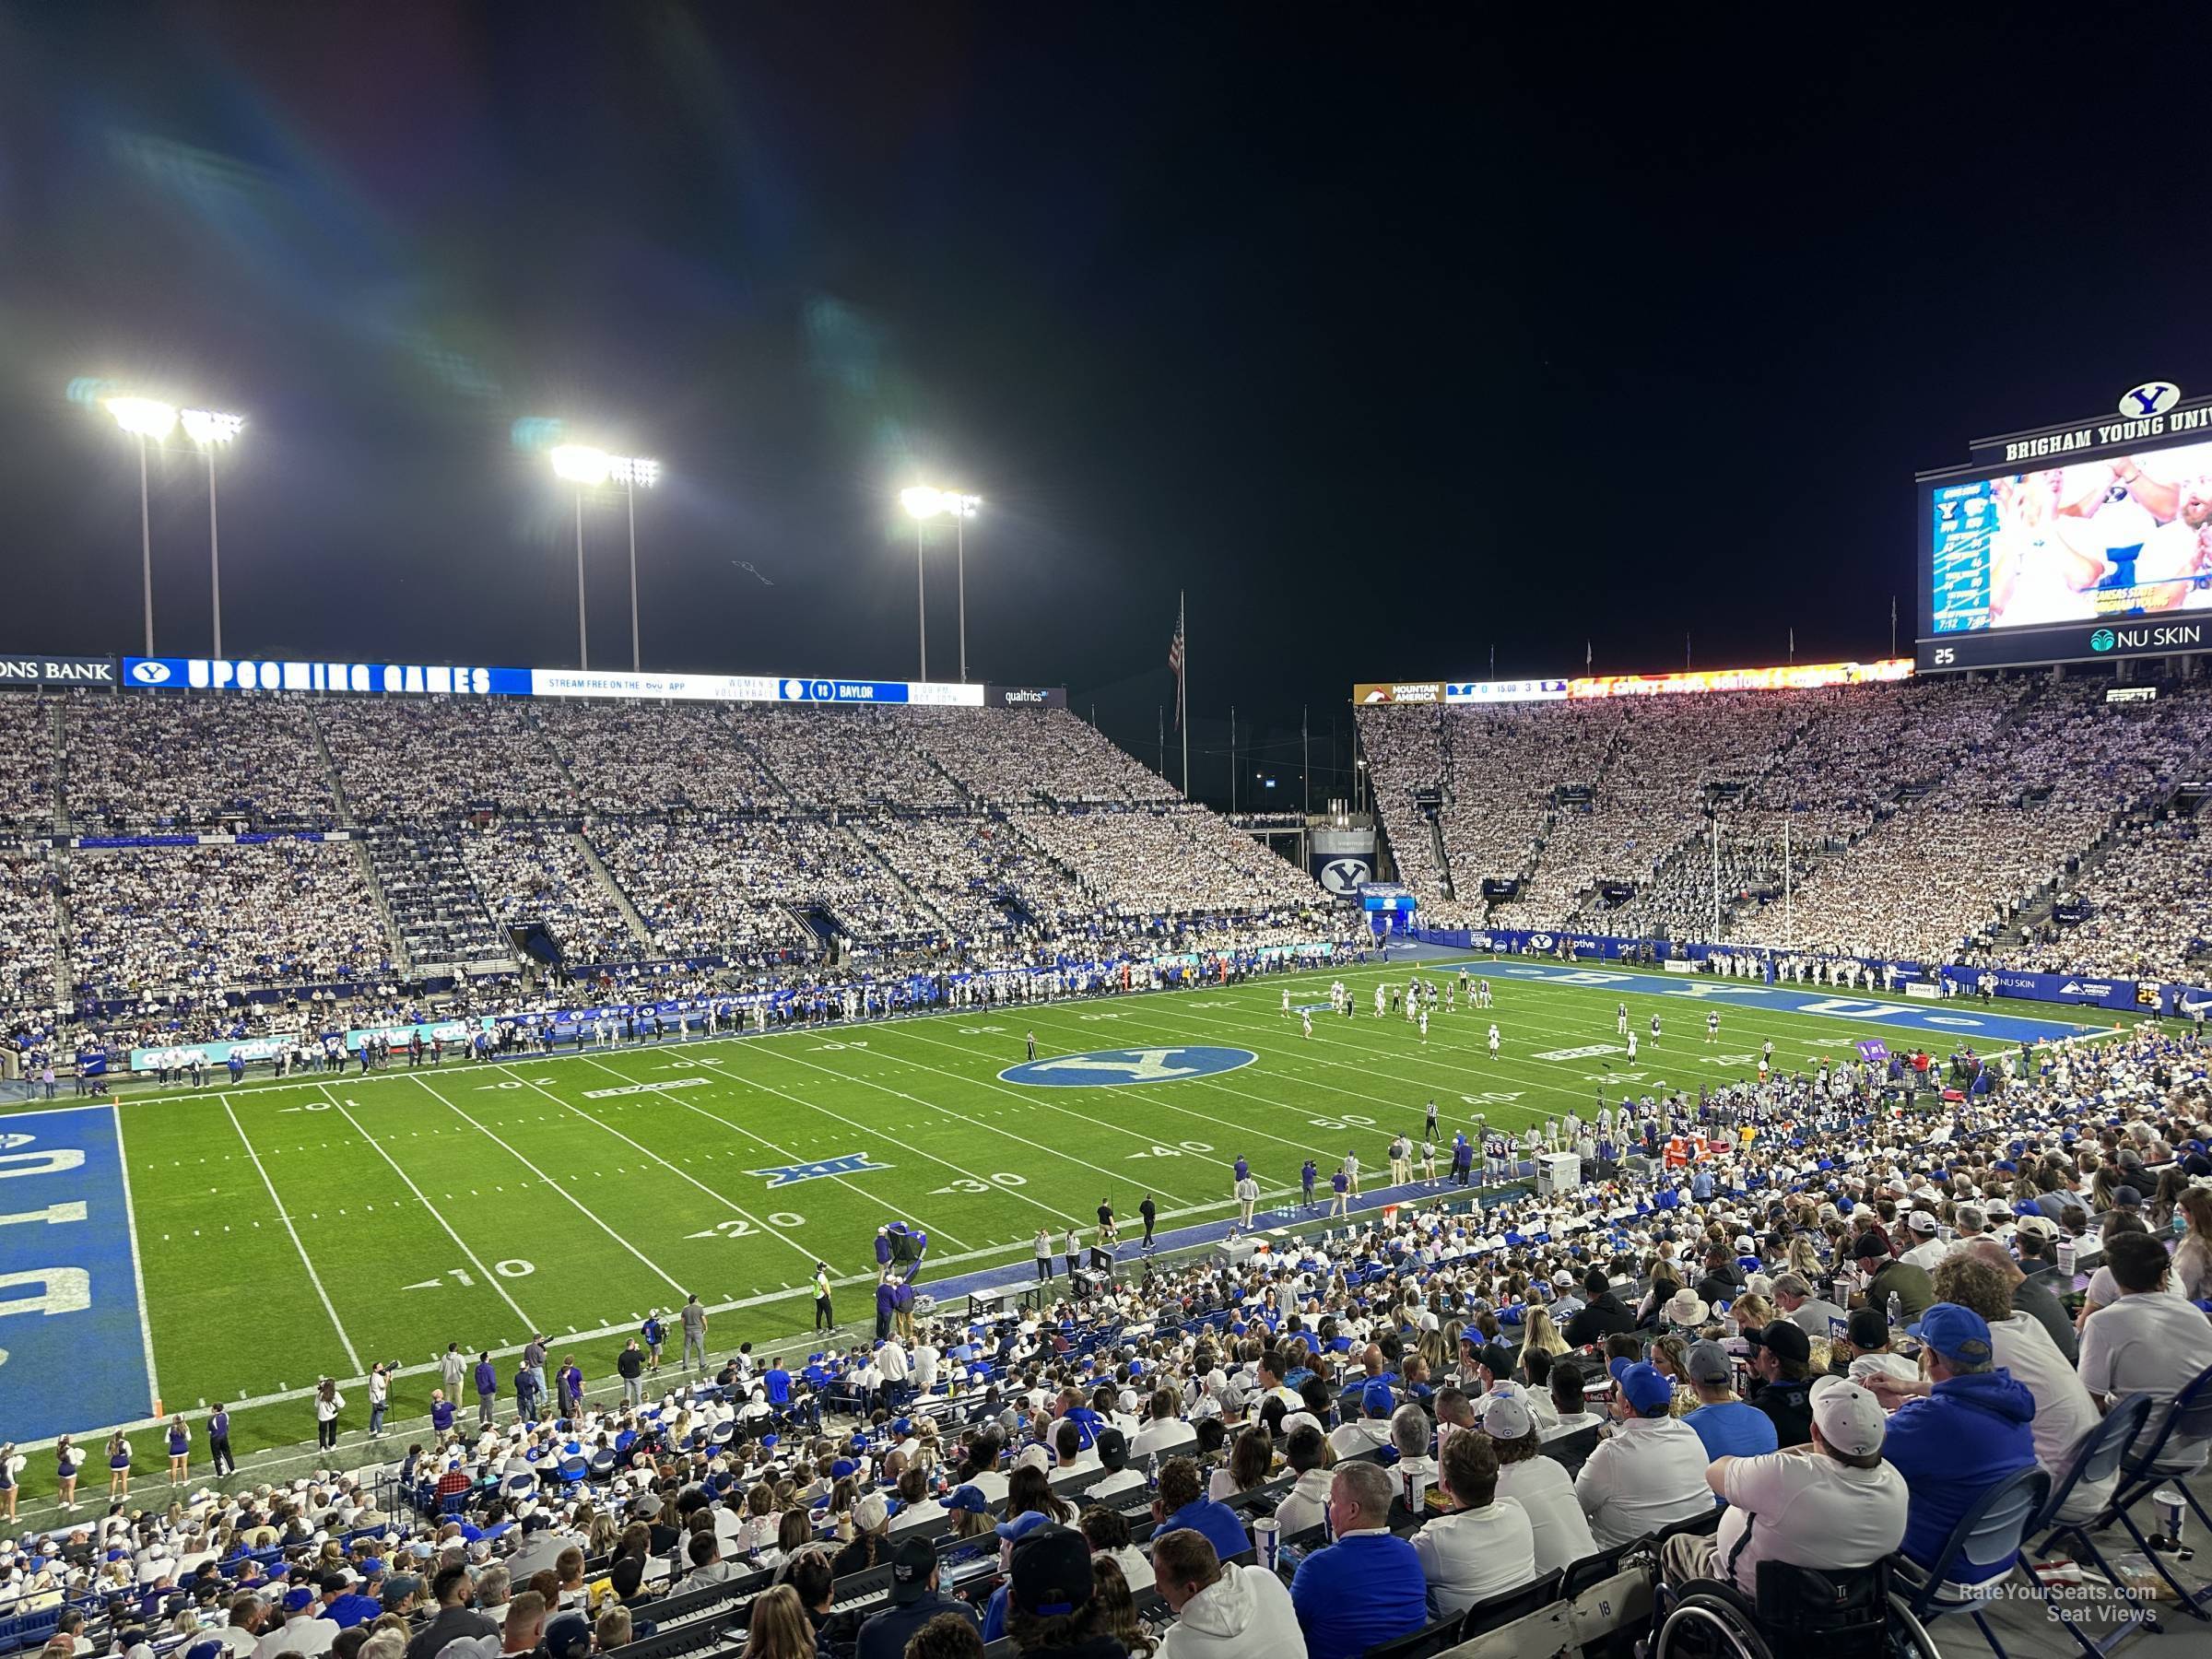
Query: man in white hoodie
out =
(1229, 1612)
(1306, 1504)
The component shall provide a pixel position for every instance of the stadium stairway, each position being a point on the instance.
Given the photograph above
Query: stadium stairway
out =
(54, 777)
(330, 771)
(613, 889)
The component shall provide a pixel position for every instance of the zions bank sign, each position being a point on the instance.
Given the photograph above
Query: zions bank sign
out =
(57, 670)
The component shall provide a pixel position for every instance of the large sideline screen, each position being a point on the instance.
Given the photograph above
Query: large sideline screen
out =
(2088, 541)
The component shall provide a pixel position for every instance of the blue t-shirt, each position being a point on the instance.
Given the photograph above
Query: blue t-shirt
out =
(1217, 1522)
(1733, 1430)
(1360, 1590)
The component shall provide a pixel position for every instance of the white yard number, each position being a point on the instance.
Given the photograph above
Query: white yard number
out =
(512, 1268)
(980, 1031)
(969, 1185)
(1348, 1121)
(738, 1227)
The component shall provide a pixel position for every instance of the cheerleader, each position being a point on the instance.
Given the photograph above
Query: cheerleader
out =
(68, 1457)
(119, 1464)
(179, 1449)
(11, 1469)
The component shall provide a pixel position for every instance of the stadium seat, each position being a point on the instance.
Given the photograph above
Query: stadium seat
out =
(1987, 1535)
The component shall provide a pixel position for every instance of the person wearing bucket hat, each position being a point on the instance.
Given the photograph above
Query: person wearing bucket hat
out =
(1971, 1431)
(1651, 1472)
(1840, 1507)
(1686, 1308)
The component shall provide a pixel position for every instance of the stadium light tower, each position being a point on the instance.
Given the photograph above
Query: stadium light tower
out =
(211, 430)
(925, 503)
(144, 417)
(635, 471)
(589, 468)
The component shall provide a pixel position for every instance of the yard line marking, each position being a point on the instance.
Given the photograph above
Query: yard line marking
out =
(724, 1066)
(571, 1197)
(130, 1223)
(1151, 1100)
(1008, 1133)
(784, 1152)
(284, 1215)
(718, 1197)
(489, 1278)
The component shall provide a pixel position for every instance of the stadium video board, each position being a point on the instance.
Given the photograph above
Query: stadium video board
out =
(204, 673)
(2078, 544)
(1796, 676)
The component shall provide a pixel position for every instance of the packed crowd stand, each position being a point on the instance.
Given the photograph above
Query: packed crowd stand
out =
(1925, 820)
(1861, 1309)
(748, 842)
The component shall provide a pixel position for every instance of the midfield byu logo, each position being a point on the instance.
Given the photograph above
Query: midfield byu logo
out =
(1110, 1068)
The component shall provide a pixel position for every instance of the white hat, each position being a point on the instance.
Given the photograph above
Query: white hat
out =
(871, 1513)
(1850, 1418)
(1505, 1417)
(1687, 1306)
(1922, 1221)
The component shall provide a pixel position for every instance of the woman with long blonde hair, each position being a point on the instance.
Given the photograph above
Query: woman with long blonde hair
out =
(777, 1627)
(1543, 1335)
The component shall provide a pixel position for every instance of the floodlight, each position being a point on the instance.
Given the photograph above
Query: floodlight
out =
(143, 416)
(208, 426)
(923, 502)
(634, 470)
(581, 464)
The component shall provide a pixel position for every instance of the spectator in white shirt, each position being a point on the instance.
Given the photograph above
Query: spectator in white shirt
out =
(1833, 1505)
(1485, 1545)
(1539, 1484)
(1307, 1503)
(2147, 1340)
(1164, 1432)
(1651, 1472)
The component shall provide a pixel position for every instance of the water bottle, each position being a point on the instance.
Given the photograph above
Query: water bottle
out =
(1897, 1311)
(1152, 1476)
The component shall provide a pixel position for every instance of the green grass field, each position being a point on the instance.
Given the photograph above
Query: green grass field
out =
(287, 1229)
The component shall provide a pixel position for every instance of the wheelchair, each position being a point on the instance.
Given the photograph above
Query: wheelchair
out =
(1852, 1614)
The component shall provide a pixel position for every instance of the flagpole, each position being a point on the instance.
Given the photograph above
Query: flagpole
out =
(1183, 695)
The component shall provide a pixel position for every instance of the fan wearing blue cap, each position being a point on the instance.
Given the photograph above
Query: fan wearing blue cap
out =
(1971, 1431)
(1651, 1473)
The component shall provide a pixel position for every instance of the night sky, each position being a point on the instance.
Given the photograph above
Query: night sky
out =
(1390, 339)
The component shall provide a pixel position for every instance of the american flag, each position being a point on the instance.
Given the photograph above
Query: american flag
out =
(1175, 661)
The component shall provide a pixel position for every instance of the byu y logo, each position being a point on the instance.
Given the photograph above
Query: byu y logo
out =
(2152, 398)
(1116, 1067)
(850, 1163)
(1345, 875)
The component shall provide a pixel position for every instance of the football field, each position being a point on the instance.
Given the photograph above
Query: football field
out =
(236, 1243)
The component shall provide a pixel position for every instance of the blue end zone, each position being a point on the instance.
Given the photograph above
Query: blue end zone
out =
(1950, 1020)
(70, 1320)
(1117, 1067)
